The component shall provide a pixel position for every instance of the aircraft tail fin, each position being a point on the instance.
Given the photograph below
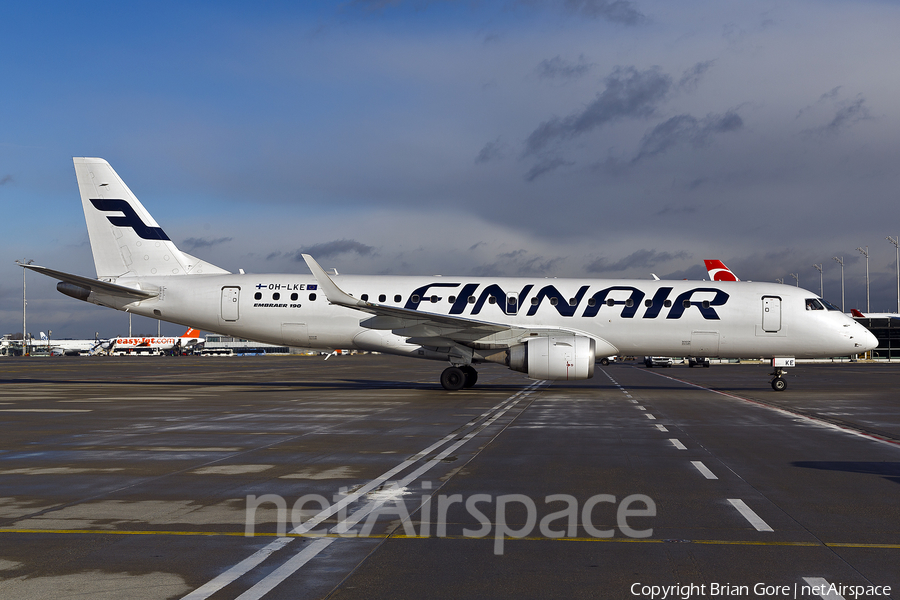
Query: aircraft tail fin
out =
(191, 333)
(718, 271)
(125, 239)
(857, 314)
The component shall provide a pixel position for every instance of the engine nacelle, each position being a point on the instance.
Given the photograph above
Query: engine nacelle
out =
(554, 357)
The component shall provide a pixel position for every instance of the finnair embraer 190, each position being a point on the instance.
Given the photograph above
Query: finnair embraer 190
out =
(548, 328)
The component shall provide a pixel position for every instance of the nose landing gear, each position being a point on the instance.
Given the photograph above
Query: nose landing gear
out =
(779, 364)
(778, 383)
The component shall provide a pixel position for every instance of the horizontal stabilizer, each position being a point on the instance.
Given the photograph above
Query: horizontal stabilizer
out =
(93, 285)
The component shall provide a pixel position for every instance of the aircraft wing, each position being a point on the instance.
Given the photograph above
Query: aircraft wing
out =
(94, 285)
(417, 323)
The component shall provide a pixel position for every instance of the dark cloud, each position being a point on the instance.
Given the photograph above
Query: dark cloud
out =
(686, 129)
(491, 151)
(335, 248)
(518, 263)
(848, 115)
(545, 166)
(629, 93)
(642, 259)
(690, 79)
(559, 68)
(675, 210)
(191, 244)
(617, 11)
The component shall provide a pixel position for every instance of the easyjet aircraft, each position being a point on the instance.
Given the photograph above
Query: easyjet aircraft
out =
(547, 328)
(189, 338)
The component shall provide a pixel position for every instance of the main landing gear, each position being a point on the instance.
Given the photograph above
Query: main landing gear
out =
(457, 378)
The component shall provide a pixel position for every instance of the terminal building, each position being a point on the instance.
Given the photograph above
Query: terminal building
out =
(887, 330)
(216, 344)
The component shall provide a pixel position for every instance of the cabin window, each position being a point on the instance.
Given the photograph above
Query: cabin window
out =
(592, 301)
(629, 303)
(492, 300)
(554, 301)
(276, 296)
(686, 303)
(706, 304)
(451, 299)
(364, 297)
(415, 299)
(572, 301)
(610, 302)
(397, 298)
(312, 297)
(511, 300)
(471, 299)
(534, 301)
(434, 299)
(667, 303)
(648, 302)
(257, 296)
(294, 297)
(382, 297)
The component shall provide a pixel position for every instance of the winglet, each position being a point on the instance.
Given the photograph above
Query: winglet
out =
(333, 293)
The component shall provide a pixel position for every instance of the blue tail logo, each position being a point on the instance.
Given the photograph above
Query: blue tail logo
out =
(129, 218)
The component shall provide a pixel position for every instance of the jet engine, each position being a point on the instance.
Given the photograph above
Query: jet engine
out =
(554, 357)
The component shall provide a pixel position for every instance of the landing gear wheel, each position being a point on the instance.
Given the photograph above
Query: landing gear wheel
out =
(604, 361)
(471, 375)
(453, 379)
(779, 384)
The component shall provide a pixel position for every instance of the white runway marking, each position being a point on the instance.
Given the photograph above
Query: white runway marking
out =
(678, 444)
(823, 584)
(703, 469)
(213, 586)
(662, 427)
(310, 551)
(286, 570)
(649, 416)
(748, 514)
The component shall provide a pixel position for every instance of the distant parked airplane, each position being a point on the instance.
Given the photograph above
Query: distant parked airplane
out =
(719, 272)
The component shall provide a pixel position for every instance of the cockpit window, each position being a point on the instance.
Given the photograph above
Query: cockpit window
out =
(814, 304)
(829, 305)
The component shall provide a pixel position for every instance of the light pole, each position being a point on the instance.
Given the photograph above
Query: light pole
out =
(896, 243)
(866, 254)
(821, 282)
(781, 281)
(797, 278)
(840, 261)
(24, 304)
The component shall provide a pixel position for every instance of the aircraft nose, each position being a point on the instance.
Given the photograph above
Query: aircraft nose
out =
(870, 341)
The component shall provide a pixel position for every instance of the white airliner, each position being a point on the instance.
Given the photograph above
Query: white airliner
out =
(68, 347)
(190, 338)
(548, 328)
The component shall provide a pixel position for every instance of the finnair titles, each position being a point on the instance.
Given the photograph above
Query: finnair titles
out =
(552, 331)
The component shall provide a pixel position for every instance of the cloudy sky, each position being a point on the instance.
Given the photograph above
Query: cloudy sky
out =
(601, 138)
